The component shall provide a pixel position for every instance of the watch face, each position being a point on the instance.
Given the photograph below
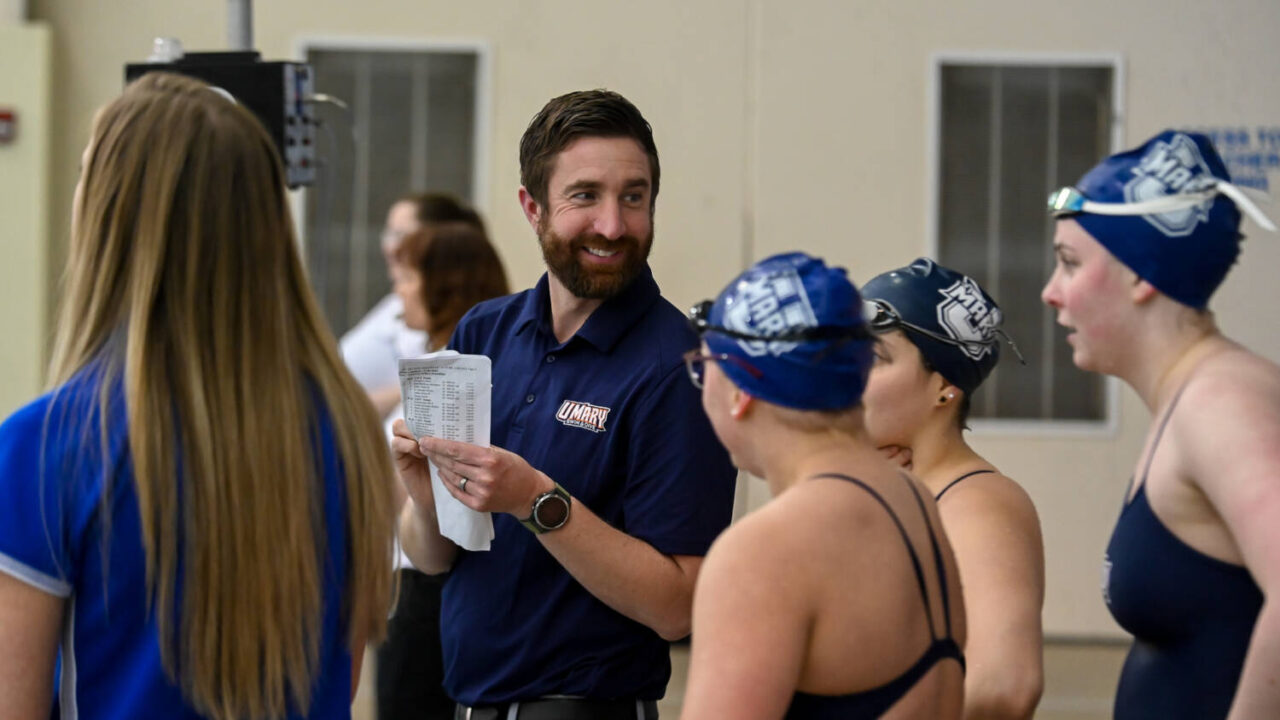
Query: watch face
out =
(551, 512)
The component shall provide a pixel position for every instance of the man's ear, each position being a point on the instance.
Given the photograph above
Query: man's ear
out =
(532, 210)
(740, 404)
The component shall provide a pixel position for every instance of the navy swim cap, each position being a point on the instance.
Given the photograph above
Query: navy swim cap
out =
(1167, 210)
(944, 313)
(797, 324)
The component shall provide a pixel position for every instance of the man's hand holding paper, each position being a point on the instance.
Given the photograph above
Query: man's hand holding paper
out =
(446, 395)
(411, 465)
(497, 480)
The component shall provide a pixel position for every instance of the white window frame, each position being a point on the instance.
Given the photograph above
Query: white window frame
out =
(1109, 426)
(483, 112)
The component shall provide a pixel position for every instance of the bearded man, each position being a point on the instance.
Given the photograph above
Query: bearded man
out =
(606, 482)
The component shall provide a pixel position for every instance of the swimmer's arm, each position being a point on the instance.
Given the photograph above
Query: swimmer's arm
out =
(1258, 694)
(749, 634)
(1232, 451)
(30, 620)
(995, 535)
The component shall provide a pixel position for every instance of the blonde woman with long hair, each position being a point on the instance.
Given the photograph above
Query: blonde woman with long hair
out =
(199, 510)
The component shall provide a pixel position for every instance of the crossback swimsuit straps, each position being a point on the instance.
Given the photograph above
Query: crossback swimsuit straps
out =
(1191, 615)
(875, 702)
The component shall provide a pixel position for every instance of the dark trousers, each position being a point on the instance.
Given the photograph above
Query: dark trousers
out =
(410, 672)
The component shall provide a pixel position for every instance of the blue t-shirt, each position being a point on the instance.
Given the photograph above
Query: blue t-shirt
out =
(611, 416)
(52, 465)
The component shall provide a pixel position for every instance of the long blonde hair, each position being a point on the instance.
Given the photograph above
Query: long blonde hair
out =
(184, 281)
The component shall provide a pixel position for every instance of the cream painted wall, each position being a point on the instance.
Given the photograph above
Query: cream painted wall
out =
(24, 198)
(541, 49)
(798, 124)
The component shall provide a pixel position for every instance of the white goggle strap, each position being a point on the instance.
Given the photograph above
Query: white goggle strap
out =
(1241, 197)
(1168, 203)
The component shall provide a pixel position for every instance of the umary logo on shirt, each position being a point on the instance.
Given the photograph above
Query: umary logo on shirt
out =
(583, 415)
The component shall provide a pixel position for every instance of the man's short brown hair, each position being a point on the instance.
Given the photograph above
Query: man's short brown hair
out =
(585, 113)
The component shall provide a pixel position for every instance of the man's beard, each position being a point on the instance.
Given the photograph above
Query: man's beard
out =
(590, 281)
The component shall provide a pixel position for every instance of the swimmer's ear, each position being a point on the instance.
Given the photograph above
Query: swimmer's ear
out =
(949, 394)
(741, 402)
(1142, 291)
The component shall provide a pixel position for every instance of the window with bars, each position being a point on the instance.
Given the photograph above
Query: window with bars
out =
(1008, 135)
(409, 125)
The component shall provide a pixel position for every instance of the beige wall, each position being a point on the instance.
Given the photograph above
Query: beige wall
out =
(24, 190)
(797, 124)
(537, 53)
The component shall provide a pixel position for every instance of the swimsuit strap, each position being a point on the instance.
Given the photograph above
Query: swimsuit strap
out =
(937, 557)
(906, 539)
(962, 477)
(1164, 421)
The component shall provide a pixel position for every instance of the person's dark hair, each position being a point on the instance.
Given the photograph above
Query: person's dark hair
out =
(585, 113)
(966, 404)
(459, 268)
(435, 208)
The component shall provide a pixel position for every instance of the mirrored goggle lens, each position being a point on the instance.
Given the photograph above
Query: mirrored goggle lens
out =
(1065, 200)
(878, 315)
(700, 314)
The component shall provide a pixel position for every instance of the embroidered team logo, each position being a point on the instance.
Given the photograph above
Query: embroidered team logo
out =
(770, 305)
(1172, 168)
(583, 415)
(967, 317)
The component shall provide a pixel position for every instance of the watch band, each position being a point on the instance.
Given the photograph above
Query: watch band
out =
(556, 495)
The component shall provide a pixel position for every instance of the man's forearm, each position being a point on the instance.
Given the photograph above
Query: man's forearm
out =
(625, 573)
(428, 550)
(1258, 694)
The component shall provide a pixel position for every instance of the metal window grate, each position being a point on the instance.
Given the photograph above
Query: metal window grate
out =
(411, 126)
(1008, 135)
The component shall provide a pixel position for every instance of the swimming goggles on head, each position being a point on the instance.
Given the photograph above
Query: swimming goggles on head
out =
(881, 316)
(1068, 200)
(700, 318)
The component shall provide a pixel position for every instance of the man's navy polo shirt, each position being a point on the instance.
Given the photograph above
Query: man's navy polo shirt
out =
(611, 416)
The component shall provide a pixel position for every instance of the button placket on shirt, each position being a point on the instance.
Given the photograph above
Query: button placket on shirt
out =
(533, 390)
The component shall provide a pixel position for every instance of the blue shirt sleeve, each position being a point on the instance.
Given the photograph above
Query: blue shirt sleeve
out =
(33, 532)
(679, 494)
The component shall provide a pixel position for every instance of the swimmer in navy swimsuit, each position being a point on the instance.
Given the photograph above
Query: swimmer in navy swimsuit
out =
(839, 598)
(877, 701)
(1142, 242)
(1198, 635)
(932, 356)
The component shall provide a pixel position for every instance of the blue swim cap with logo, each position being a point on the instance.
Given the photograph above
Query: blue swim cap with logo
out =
(949, 317)
(798, 325)
(1167, 210)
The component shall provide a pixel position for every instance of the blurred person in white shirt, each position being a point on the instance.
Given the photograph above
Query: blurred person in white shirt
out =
(373, 345)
